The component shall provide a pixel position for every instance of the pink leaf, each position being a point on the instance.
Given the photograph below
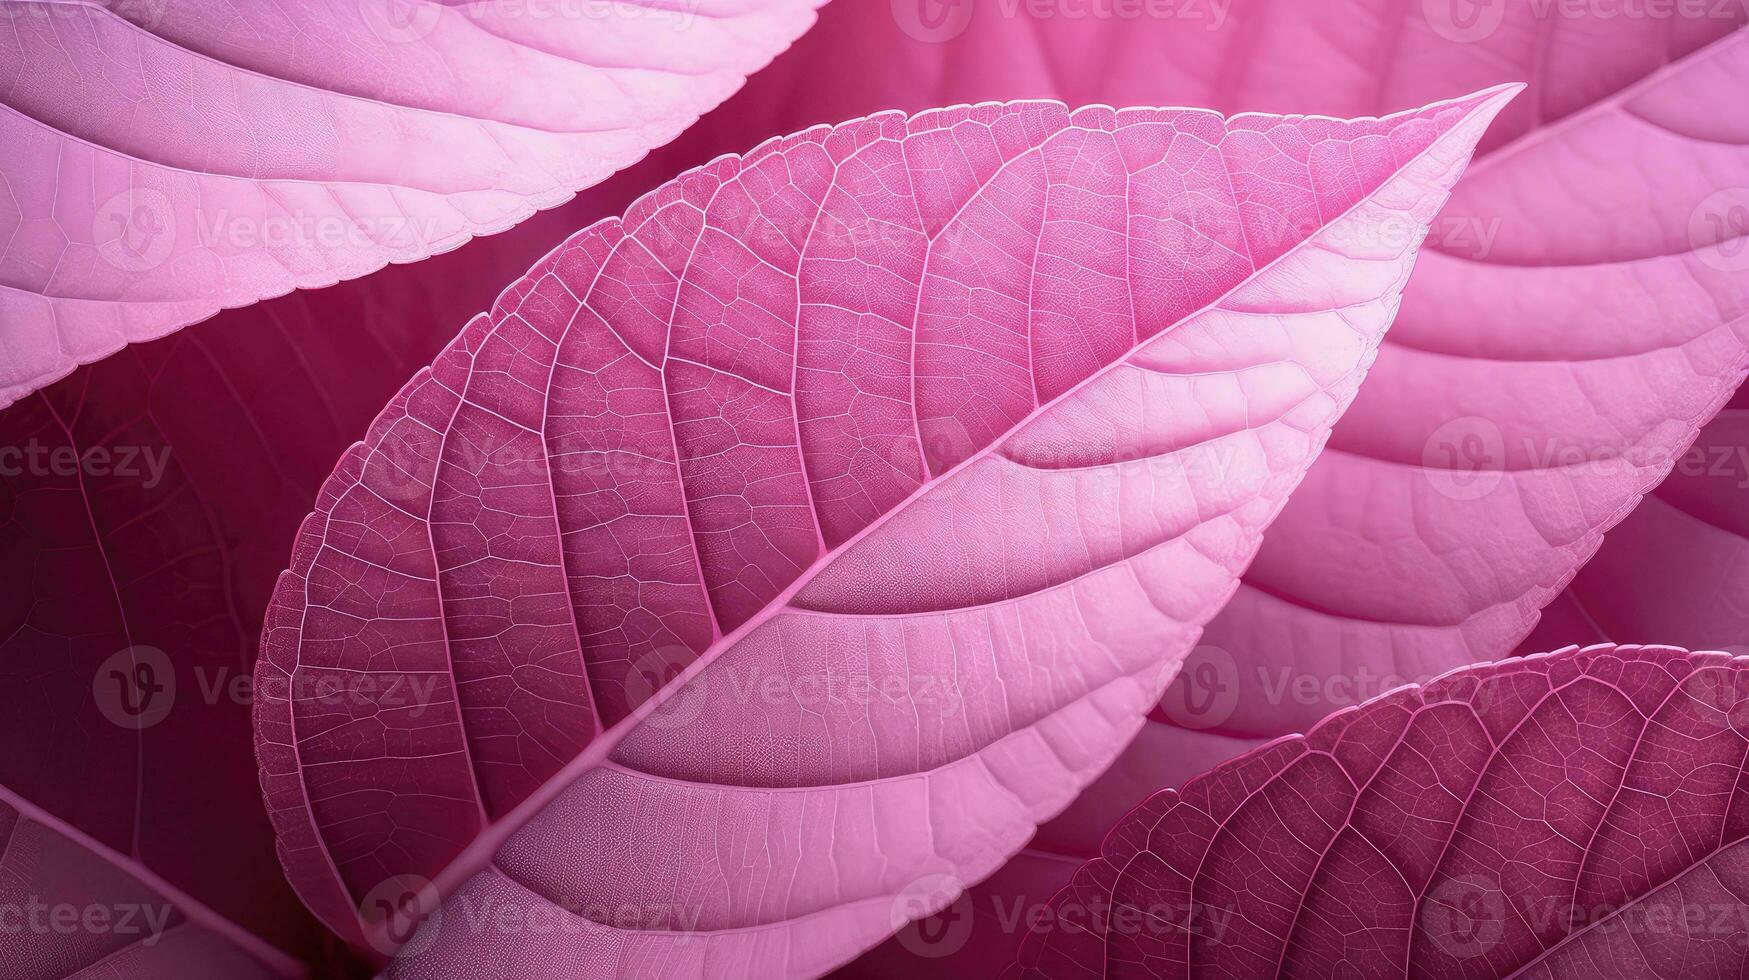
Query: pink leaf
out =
(1579, 313)
(168, 160)
(1569, 815)
(76, 908)
(169, 528)
(878, 407)
(1680, 562)
(1532, 393)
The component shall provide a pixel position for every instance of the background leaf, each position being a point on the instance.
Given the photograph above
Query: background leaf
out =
(76, 908)
(169, 160)
(1575, 814)
(110, 554)
(1577, 316)
(1676, 565)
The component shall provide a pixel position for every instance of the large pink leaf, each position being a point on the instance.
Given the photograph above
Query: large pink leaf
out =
(75, 908)
(166, 160)
(1533, 392)
(1580, 299)
(1577, 814)
(888, 405)
(1578, 314)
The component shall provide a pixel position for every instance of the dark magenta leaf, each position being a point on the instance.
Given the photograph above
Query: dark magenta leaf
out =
(1575, 814)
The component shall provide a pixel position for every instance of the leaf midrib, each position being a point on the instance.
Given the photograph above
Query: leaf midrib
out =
(478, 854)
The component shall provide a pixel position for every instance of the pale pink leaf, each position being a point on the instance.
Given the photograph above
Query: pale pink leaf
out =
(988, 404)
(1581, 300)
(1579, 312)
(166, 160)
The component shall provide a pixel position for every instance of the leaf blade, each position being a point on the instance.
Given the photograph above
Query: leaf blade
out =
(1487, 869)
(171, 162)
(1163, 542)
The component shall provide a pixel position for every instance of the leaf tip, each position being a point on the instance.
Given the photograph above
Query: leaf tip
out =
(1488, 102)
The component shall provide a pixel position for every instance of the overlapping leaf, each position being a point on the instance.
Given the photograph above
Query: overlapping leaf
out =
(1577, 814)
(878, 406)
(1578, 314)
(132, 516)
(165, 160)
(76, 908)
(1678, 565)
